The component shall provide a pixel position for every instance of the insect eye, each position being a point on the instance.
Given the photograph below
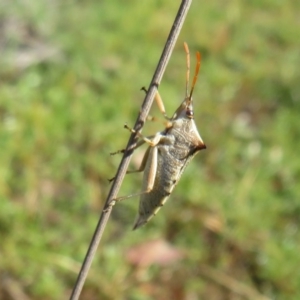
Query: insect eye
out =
(189, 113)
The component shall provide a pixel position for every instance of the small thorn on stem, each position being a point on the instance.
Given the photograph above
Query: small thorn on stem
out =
(111, 179)
(144, 89)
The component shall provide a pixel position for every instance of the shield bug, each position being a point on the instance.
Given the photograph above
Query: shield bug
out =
(169, 152)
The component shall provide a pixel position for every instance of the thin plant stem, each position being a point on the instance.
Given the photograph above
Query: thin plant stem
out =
(145, 108)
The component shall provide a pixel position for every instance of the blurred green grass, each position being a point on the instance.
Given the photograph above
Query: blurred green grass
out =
(62, 109)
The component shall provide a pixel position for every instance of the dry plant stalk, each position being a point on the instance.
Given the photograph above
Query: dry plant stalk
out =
(145, 108)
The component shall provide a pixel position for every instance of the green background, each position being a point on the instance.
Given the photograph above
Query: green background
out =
(70, 77)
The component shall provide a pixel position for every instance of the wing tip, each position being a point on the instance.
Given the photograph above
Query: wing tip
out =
(140, 222)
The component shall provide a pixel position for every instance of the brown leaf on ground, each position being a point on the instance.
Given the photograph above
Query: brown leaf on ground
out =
(157, 252)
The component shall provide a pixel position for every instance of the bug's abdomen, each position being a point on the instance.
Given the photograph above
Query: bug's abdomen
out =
(166, 177)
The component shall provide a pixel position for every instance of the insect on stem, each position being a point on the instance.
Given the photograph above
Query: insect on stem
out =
(169, 152)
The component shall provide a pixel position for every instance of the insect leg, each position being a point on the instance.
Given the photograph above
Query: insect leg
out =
(152, 156)
(139, 143)
(142, 166)
(161, 107)
(151, 141)
(143, 163)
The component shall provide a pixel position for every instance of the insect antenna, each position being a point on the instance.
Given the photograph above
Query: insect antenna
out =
(186, 48)
(198, 56)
